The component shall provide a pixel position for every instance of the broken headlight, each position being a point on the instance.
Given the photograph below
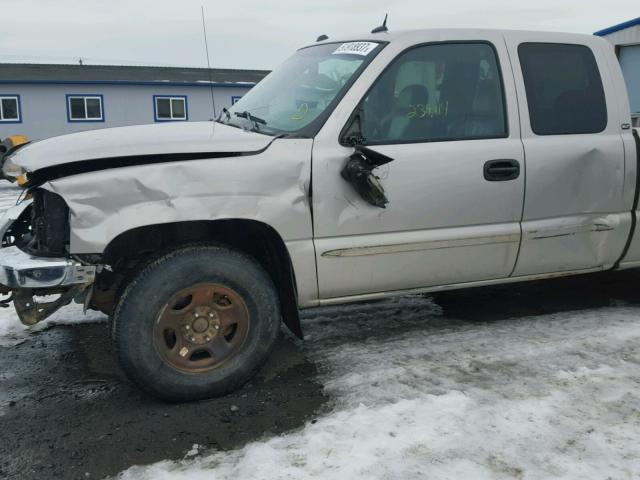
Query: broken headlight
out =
(11, 170)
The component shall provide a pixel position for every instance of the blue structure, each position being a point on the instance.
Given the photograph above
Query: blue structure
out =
(625, 37)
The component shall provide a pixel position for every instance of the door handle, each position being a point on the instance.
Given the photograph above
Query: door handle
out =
(501, 170)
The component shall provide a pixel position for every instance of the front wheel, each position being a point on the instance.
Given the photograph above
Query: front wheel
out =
(196, 323)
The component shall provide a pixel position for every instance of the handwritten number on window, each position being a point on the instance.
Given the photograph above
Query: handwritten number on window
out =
(421, 110)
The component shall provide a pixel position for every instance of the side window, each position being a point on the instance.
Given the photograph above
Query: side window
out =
(82, 108)
(170, 108)
(10, 109)
(564, 89)
(448, 91)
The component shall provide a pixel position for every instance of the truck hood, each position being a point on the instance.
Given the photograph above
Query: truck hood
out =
(145, 143)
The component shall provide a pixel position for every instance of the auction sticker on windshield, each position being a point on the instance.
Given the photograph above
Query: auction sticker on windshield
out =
(356, 48)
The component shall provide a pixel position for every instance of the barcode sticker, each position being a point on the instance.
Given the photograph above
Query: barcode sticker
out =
(356, 48)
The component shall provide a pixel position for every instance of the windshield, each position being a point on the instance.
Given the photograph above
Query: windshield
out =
(297, 95)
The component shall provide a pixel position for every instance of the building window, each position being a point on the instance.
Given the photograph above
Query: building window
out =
(235, 99)
(10, 109)
(564, 89)
(168, 109)
(85, 108)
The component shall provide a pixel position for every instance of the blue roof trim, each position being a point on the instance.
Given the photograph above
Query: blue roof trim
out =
(127, 82)
(617, 28)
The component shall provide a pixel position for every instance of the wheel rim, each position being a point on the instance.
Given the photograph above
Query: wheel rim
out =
(201, 327)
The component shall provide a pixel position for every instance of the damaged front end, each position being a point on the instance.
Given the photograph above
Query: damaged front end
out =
(34, 258)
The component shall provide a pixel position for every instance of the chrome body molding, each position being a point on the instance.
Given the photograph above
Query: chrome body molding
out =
(418, 246)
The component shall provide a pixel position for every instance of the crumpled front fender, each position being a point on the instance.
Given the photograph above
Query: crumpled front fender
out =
(271, 187)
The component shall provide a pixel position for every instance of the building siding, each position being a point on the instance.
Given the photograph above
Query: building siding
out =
(630, 63)
(628, 36)
(44, 107)
(625, 38)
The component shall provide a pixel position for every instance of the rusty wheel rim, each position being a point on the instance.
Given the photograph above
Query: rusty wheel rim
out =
(201, 327)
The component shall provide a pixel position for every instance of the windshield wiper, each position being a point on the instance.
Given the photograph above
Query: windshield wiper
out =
(252, 118)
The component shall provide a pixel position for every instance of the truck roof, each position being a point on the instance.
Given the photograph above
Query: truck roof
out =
(416, 36)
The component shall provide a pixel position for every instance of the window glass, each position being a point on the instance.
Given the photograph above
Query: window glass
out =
(9, 109)
(301, 92)
(77, 108)
(435, 93)
(163, 108)
(564, 89)
(177, 108)
(93, 108)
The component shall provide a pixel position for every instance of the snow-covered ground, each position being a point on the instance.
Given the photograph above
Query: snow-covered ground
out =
(553, 396)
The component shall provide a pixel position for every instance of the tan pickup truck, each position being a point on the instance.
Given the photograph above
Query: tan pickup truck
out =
(384, 164)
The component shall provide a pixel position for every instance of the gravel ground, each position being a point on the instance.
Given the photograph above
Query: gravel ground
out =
(538, 380)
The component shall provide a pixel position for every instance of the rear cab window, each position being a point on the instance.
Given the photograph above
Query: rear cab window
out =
(564, 89)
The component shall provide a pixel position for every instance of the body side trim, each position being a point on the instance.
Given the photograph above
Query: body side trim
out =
(420, 246)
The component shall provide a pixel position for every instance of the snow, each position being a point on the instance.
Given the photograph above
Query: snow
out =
(12, 331)
(419, 395)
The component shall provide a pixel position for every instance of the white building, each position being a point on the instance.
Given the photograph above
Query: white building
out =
(42, 100)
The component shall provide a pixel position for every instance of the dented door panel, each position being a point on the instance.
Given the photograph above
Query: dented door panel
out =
(444, 222)
(373, 263)
(436, 193)
(579, 241)
(574, 189)
(576, 211)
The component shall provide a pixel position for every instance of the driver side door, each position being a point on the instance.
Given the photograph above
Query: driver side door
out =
(445, 113)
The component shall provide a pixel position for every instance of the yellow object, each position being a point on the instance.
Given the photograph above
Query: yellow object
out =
(21, 180)
(16, 140)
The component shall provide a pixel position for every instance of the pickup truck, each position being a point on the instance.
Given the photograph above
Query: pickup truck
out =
(361, 168)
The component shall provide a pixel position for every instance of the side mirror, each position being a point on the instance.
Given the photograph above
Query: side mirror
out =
(358, 171)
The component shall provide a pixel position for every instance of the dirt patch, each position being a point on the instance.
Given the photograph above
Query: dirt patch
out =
(70, 414)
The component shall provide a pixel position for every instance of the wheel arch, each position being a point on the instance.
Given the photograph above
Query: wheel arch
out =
(257, 239)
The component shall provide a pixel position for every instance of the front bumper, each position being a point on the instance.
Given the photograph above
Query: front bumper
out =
(19, 270)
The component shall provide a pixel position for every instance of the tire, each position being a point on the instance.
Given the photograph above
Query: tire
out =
(196, 323)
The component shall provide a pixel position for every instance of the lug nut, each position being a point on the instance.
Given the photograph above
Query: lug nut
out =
(187, 327)
(208, 339)
(211, 315)
(217, 327)
(197, 315)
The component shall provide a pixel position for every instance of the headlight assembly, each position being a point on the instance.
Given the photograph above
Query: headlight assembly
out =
(14, 172)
